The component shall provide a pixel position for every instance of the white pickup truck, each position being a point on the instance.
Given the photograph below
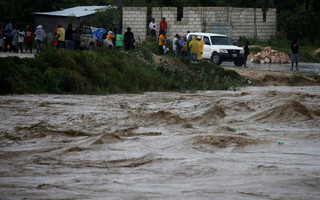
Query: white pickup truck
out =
(89, 40)
(219, 48)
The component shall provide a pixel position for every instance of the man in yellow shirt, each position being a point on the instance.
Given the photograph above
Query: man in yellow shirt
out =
(61, 36)
(201, 45)
(162, 42)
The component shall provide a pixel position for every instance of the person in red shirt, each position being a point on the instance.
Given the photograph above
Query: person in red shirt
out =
(163, 25)
(29, 38)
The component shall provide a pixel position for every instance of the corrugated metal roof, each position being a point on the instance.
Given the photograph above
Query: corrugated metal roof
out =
(78, 11)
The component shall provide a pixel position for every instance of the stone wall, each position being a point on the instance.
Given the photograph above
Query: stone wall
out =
(136, 18)
(235, 22)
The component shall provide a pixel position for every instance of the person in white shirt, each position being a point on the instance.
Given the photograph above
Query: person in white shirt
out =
(153, 28)
(174, 45)
(21, 36)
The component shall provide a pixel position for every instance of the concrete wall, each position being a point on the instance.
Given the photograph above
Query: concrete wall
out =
(235, 22)
(136, 18)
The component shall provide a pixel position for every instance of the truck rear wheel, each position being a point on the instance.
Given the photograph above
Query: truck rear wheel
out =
(238, 62)
(91, 47)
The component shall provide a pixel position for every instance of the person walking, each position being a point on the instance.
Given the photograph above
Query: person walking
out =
(153, 28)
(175, 44)
(294, 54)
(246, 53)
(61, 36)
(8, 37)
(200, 46)
(69, 37)
(119, 40)
(162, 42)
(194, 49)
(129, 39)
(21, 36)
(40, 35)
(29, 38)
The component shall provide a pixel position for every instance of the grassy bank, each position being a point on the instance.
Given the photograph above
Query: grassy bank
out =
(307, 49)
(108, 71)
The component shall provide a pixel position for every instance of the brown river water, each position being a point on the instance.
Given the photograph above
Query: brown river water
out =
(255, 143)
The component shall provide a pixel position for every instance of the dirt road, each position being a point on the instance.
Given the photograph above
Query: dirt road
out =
(256, 143)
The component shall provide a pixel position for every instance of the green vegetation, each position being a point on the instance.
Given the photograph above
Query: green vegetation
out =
(109, 71)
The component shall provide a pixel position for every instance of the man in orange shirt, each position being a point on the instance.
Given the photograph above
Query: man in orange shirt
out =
(110, 36)
(162, 42)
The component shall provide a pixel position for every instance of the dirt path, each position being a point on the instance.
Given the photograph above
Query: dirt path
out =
(20, 55)
(276, 78)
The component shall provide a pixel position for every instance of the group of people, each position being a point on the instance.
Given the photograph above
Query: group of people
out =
(180, 44)
(68, 38)
(118, 40)
(19, 40)
(181, 47)
(12, 39)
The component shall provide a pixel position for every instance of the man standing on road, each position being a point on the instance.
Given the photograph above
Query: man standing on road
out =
(294, 54)
(246, 53)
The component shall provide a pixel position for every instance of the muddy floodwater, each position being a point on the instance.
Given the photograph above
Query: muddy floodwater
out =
(255, 143)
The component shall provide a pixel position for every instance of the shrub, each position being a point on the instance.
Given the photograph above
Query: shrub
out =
(108, 71)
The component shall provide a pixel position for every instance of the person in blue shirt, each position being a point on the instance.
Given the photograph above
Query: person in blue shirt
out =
(8, 37)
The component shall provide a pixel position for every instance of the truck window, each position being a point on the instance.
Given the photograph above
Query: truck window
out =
(221, 40)
(87, 31)
(206, 40)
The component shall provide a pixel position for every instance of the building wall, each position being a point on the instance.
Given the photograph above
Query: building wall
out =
(136, 19)
(235, 22)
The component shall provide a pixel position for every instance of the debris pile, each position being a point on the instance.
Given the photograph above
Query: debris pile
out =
(270, 56)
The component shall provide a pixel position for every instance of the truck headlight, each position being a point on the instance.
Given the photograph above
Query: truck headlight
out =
(223, 51)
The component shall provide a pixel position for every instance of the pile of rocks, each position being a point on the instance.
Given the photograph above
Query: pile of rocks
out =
(270, 56)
